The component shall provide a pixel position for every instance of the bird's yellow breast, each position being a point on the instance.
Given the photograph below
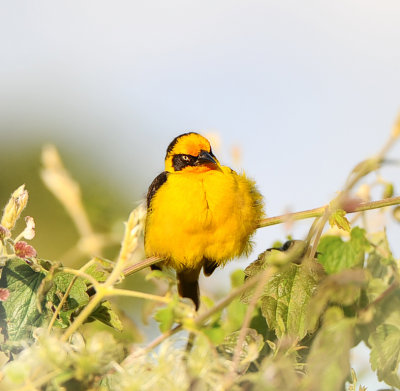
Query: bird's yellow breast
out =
(210, 214)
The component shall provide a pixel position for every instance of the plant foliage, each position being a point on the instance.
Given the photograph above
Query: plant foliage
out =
(288, 323)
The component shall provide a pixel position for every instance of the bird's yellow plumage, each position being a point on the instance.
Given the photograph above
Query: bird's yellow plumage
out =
(200, 214)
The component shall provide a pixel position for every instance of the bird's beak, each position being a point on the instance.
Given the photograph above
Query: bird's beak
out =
(205, 157)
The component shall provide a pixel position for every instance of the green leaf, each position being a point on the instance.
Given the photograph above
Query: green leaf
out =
(77, 297)
(105, 314)
(385, 353)
(343, 288)
(252, 345)
(170, 314)
(380, 261)
(339, 219)
(328, 363)
(215, 333)
(165, 318)
(386, 311)
(19, 314)
(336, 255)
(100, 269)
(286, 296)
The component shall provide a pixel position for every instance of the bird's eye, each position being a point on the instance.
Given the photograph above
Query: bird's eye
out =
(185, 158)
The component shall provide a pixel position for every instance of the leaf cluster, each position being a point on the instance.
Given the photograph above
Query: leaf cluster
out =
(289, 321)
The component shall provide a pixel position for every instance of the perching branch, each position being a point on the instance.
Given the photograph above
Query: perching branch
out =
(318, 212)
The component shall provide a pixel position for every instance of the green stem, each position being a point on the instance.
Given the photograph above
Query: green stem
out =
(97, 298)
(60, 305)
(82, 274)
(393, 286)
(140, 295)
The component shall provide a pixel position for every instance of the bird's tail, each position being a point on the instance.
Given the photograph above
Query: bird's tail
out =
(188, 285)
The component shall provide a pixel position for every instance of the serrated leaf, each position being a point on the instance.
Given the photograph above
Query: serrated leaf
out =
(338, 219)
(385, 353)
(19, 314)
(286, 297)
(291, 251)
(380, 261)
(105, 314)
(328, 363)
(100, 269)
(343, 288)
(336, 255)
(77, 297)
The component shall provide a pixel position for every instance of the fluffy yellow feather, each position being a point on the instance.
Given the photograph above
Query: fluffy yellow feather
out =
(199, 213)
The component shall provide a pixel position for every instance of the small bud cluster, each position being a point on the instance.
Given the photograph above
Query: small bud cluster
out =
(11, 214)
(24, 250)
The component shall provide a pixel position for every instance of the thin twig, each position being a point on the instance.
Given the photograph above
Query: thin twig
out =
(140, 295)
(93, 303)
(393, 286)
(81, 273)
(140, 265)
(318, 212)
(61, 303)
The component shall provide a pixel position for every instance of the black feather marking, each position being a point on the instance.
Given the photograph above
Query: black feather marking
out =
(155, 185)
(209, 267)
(181, 161)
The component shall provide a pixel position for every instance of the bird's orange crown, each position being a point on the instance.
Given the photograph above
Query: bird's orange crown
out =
(190, 152)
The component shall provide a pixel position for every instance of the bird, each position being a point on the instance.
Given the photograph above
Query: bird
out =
(200, 214)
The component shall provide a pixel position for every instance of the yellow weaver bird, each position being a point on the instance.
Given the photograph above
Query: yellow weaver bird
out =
(199, 214)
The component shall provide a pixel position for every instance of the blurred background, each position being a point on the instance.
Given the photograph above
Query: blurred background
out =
(295, 93)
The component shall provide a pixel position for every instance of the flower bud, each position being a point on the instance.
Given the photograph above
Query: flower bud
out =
(24, 250)
(14, 208)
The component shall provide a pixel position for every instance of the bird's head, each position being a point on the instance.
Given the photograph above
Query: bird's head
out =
(190, 152)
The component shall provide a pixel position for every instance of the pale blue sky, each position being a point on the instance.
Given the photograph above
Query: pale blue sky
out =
(306, 88)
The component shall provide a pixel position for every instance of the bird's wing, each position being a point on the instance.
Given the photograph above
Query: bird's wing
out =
(155, 185)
